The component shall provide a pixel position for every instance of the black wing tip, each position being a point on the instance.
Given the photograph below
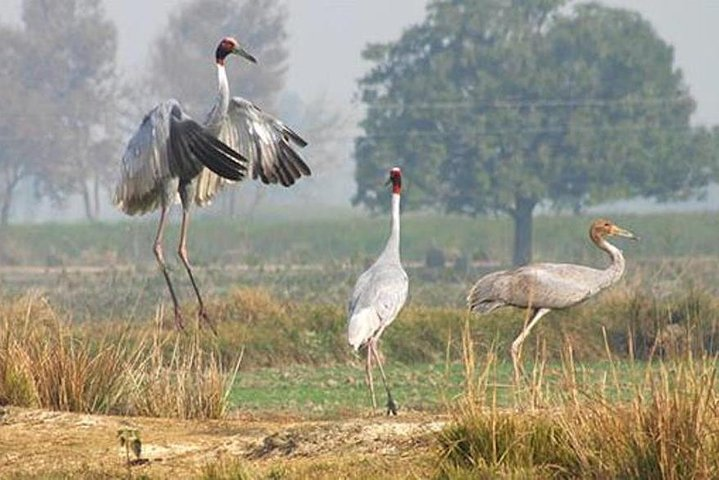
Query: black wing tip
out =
(217, 156)
(293, 161)
(286, 168)
(299, 141)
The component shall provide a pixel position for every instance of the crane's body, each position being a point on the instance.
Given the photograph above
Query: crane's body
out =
(558, 285)
(171, 156)
(542, 287)
(378, 296)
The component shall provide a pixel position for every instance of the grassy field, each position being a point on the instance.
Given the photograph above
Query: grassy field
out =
(459, 418)
(100, 271)
(340, 392)
(84, 327)
(349, 239)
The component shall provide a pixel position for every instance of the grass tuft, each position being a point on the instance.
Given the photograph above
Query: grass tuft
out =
(666, 429)
(228, 469)
(46, 362)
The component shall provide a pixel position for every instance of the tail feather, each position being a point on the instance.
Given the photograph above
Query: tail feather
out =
(361, 326)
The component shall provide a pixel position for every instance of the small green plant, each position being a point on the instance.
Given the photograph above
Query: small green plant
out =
(130, 439)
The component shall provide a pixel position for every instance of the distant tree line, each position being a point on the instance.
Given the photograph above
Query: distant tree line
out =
(503, 105)
(57, 89)
(67, 112)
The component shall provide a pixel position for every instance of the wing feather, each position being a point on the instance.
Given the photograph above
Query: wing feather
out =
(168, 145)
(384, 289)
(266, 142)
(541, 285)
(193, 148)
(145, 167)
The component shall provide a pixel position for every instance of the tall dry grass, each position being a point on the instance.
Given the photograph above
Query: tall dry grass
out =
(47, 362)
(667, 428)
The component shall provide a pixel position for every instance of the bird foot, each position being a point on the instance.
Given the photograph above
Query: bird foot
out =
(392, 406)
(205, 319)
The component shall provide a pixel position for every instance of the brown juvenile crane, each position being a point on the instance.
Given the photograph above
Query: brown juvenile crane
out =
(171, 155)
(542, 287)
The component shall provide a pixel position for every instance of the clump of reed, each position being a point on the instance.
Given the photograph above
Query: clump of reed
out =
(47, 362)
(663, 425)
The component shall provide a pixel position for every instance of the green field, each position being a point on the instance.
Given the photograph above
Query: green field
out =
(85, 326)
(340, 391)
(328, 392)
(349, 238)
(100, 271)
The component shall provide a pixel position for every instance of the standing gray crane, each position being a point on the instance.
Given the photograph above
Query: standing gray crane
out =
(378, 296)
(542, 287)
(171, 154)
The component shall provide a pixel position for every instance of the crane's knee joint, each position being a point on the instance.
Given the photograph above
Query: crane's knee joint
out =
(157, 250)
(182, 252)
(515, 349)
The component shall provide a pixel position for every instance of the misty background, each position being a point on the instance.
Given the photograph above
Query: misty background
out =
(325, 41)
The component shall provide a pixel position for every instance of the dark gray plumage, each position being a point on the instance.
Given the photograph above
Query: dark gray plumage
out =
(170, 148)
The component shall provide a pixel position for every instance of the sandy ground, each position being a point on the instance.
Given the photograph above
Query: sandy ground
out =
(36, 443)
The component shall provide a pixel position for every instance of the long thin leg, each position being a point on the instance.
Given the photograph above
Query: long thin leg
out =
(517, 344)
(368, 375)
(392, 406)
(182, 252)
(157, 248)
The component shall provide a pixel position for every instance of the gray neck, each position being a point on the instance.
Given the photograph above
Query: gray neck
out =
(222, 101)
(391, 250)
(614, 272)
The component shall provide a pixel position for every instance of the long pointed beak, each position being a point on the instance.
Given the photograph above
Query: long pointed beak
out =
(245, 54)
(624, 233)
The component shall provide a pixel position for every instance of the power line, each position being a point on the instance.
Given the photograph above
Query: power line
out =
(514, 131)
(529, 103)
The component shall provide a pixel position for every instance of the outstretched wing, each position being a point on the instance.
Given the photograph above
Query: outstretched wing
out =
(167, 145)
(267, 143)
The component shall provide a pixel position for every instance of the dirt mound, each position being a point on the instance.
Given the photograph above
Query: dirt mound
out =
(38, 442)
(373, 436)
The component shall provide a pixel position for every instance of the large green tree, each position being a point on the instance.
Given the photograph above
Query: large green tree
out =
(501, 105)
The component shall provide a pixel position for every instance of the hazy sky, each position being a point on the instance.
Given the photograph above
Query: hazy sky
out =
(327, 36)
